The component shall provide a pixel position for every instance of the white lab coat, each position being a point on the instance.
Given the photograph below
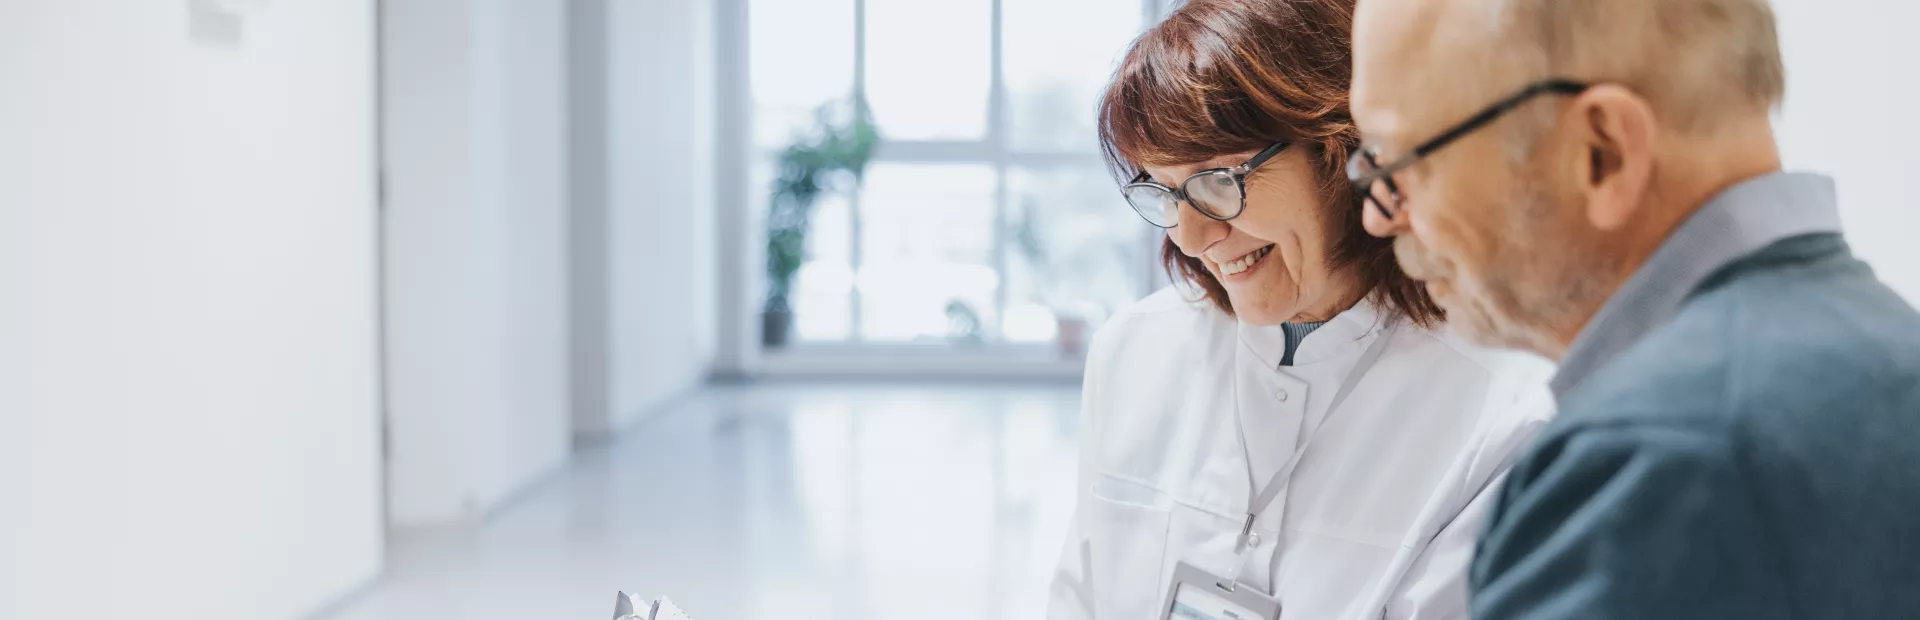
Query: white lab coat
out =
(1381, 514)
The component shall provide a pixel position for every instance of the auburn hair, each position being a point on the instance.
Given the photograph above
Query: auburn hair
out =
(1219, 77)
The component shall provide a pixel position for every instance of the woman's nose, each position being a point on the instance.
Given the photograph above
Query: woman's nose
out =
(1196, 232)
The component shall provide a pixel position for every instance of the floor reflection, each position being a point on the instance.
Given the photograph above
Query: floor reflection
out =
(782, 502)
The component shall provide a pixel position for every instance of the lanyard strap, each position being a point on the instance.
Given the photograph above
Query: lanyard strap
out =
(1282, 478)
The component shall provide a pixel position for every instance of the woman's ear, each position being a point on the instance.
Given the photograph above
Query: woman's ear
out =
(1618, 132)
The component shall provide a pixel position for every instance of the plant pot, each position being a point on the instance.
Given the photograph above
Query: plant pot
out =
(775, 329)
(1072, 336)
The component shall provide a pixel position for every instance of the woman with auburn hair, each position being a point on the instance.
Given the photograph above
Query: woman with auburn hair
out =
(1292, 427)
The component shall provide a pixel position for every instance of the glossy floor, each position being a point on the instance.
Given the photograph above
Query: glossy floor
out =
(783, 502)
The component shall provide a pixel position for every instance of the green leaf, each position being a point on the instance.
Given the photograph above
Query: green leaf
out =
(843, 139)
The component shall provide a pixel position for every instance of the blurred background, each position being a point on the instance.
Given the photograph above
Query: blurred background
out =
(355, 310)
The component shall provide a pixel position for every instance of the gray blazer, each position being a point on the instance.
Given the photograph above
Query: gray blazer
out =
(1756, 456)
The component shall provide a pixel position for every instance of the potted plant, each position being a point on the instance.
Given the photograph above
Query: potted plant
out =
(840, 145)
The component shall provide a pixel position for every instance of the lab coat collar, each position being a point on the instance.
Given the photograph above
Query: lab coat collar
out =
(1347, 331)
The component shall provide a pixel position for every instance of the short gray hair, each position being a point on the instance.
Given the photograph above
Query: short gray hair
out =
(1696, 61)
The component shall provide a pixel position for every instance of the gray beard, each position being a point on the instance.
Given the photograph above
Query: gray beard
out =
(1544, 281)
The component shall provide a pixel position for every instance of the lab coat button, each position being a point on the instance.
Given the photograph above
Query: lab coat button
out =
(1282, 395)
(1253, 539)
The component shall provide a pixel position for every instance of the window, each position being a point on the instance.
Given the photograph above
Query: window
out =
(987, 218)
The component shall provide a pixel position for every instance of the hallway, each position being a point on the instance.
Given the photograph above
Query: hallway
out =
(787, 501)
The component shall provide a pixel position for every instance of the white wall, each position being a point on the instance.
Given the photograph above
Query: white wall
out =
(188, 384)
(1850, 112)
(475, 95)
(644, 278)
(738, 257)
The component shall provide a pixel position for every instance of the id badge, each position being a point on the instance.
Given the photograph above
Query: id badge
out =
(1196, 594)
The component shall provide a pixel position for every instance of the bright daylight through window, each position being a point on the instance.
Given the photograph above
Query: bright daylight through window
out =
(986, 217)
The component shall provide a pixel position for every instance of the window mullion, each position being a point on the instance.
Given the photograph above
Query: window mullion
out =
(997, 144)
(854, 220)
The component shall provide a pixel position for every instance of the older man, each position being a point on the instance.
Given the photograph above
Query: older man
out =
(1598, 182)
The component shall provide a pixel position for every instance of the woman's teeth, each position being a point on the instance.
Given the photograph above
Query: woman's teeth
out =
(1245, 262)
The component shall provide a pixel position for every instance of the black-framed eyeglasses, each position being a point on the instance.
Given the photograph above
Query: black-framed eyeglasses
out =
(1220, 193)
(1376, 181)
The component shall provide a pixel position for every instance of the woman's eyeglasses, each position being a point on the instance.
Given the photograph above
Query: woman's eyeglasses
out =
(1220, 193)
(1376, 181)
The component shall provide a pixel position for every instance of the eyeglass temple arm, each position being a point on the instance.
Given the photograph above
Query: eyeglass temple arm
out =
(1565, 87)
(1263, 156)
(1498, 109)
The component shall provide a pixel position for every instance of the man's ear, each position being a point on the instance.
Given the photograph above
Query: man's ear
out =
(1616, 136)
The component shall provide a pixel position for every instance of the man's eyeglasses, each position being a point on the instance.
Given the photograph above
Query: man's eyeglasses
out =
(1220, 193)
(1376, 181)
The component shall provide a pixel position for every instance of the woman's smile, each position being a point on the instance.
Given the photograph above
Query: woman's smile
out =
(1242, 268)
